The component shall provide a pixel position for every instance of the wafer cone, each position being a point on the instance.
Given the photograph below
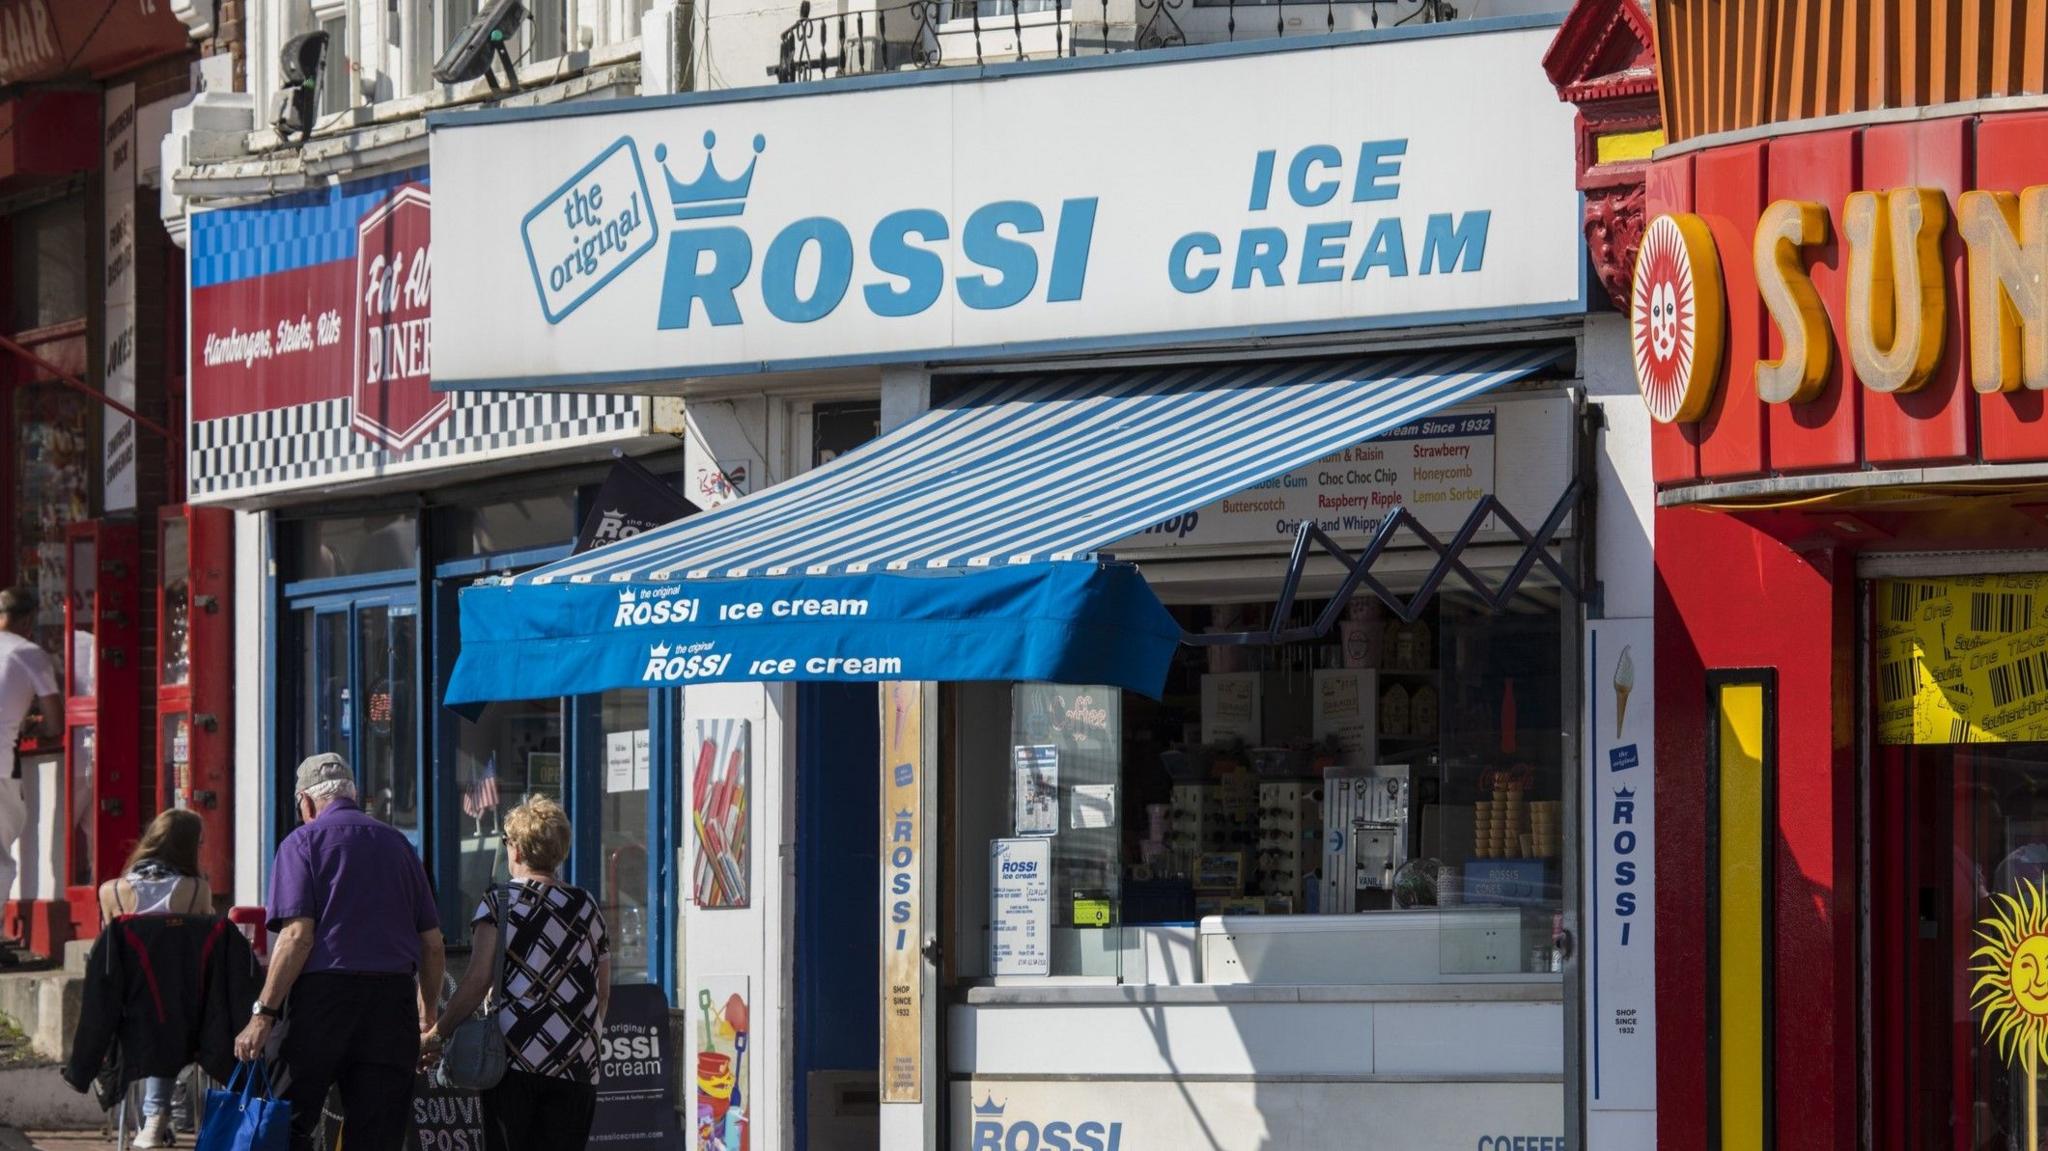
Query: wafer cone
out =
(1620, 709)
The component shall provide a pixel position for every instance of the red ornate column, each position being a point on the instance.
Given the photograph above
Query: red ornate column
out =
(1603, 63)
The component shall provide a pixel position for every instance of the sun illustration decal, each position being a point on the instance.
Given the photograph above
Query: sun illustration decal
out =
(1675, 318)
(2012, 973)
(2012, 985)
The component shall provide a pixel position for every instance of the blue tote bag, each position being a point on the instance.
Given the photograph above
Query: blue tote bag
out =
(245, 1120)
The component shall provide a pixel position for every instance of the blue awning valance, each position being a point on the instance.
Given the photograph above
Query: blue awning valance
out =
(961, 547)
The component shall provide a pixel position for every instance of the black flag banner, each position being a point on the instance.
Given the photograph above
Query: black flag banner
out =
(631, 501)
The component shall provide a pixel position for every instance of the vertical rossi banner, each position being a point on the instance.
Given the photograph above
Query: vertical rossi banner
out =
(903, 767)
(117, 364)
(1619, 800)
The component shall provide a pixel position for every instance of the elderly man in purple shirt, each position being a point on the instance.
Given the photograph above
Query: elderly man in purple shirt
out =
(357, 970)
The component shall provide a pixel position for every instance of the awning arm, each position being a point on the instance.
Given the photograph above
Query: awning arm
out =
(78, 385)
(1535, 550)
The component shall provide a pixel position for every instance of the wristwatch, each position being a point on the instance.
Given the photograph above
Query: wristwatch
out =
(266, 1011)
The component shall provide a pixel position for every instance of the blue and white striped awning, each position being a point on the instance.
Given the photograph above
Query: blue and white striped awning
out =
(1010, 490)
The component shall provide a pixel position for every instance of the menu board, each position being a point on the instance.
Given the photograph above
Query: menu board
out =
(1436, 467)
(1962, 659)
(1020, 904)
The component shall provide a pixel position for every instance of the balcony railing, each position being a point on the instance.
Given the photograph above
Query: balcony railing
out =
(936, 33)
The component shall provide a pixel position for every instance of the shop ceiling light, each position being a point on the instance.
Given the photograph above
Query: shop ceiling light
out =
(480, 42)
(302, 62)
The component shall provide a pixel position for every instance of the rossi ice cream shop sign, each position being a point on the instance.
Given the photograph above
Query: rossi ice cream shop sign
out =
(1415, 179)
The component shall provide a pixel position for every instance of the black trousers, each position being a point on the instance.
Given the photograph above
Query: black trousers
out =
(360, 1033)
(528, 1112)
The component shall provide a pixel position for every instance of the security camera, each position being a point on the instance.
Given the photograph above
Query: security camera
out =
(302, 62)
(479, 42)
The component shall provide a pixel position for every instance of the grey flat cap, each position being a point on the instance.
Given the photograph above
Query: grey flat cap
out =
(326, 767)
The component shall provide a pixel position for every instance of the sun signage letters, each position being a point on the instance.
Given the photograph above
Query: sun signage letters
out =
(1896, 306)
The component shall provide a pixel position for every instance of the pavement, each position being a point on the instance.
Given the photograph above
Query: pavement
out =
(12, 1140)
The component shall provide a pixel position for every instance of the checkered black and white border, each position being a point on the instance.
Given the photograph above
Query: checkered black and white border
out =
(308, 444)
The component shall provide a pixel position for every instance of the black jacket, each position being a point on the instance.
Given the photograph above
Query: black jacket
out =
(162, 991)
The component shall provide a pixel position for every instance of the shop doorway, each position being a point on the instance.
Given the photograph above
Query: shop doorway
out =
(1957, 832)
(839, 926)
(1956, 796)
(358, 684)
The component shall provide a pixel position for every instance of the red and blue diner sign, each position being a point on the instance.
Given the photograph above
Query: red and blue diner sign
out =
(317, 298)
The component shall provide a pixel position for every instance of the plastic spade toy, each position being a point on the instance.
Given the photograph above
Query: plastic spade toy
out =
(736, 1113)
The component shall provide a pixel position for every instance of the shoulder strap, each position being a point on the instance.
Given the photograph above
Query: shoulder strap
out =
(500, 912)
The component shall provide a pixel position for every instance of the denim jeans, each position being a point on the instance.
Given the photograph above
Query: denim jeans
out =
(156, 1096)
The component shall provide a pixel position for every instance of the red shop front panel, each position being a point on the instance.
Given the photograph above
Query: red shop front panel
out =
(1728, 195)
(2012, 154)
(1937, 423)
(1819, 167)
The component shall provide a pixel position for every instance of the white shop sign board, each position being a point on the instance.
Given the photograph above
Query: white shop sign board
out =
(1020, 907)
(1620, 884)
(1410, 177)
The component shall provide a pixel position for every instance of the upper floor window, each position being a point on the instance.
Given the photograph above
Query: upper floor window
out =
(383, 50)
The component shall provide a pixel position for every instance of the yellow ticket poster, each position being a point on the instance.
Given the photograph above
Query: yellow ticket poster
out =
(1962, 659)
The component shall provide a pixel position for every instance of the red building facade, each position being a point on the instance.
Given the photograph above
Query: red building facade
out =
(1838, 319)
(91, 386)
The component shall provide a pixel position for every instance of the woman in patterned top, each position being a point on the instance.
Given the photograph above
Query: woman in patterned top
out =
(556, 984)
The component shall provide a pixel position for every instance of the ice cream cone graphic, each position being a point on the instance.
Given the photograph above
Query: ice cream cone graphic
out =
(1624, 683)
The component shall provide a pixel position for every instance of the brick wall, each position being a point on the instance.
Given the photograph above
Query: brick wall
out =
(229, 37)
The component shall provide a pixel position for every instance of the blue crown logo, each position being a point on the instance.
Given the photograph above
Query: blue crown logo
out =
(988, 1106)
(710, 194)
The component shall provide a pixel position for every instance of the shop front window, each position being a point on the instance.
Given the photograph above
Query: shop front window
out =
(84, 591)
(1972, 857)
(1408, 777)
(512, 525)
(513, 750)
(50, 270)
(356, 545)
(388, 771)
(174, 666)
(623, 833)
(1957, 934)
(52, 472)
(357, 695)
(84, 745)
(1066, 759)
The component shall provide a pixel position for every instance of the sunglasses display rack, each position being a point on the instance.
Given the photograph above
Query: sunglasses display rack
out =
(1290, 831)
(1195, 822)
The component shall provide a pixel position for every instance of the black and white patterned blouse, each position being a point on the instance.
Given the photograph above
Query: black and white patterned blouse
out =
(549, 1014)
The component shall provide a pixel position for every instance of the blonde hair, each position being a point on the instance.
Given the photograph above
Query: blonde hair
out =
(539, 828)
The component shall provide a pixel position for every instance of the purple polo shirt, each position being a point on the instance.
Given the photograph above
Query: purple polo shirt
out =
(359, 882)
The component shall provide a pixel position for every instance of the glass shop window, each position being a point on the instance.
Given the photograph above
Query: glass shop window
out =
(512, 525)
(624, 832)
(1390, 769)
(513, 750)
(50, 271)
(838, 428)
(355, 545)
